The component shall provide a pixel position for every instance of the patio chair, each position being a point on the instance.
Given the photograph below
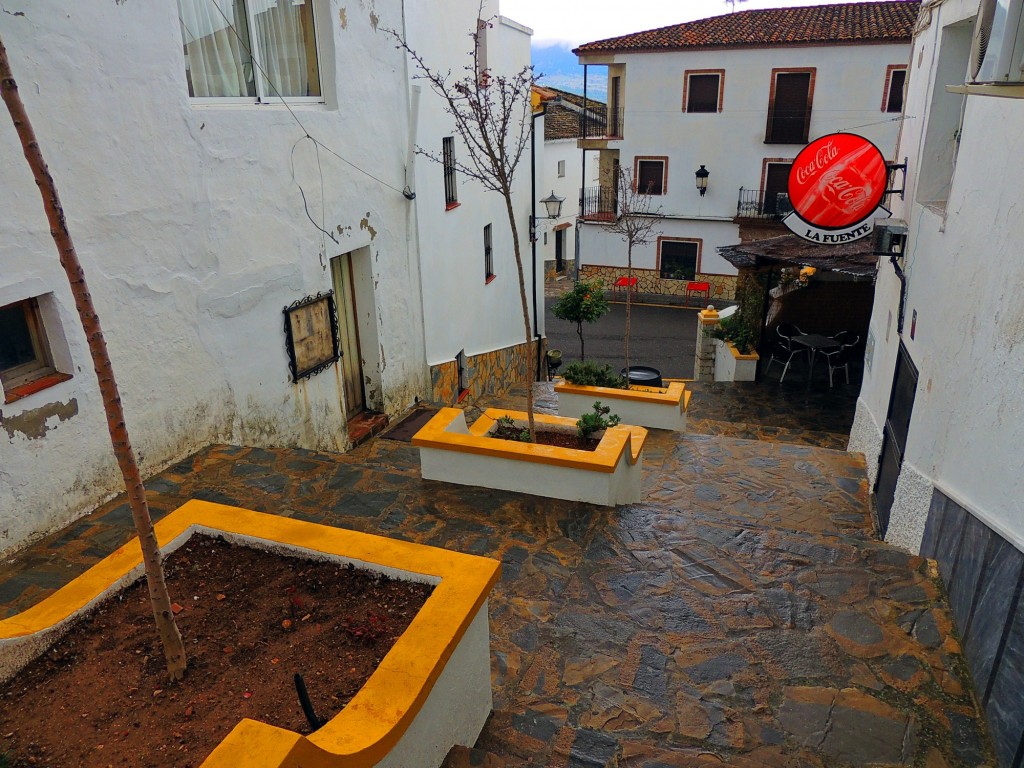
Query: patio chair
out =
(783, 350)
(839, 359)
(787, 331)
(846, 339)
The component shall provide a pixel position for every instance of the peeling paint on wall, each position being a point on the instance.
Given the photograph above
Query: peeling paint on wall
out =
(374, 20)
(365, 224)
(36, 423)
(342, 18)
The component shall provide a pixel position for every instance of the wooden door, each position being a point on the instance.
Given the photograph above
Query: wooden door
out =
(348, 333)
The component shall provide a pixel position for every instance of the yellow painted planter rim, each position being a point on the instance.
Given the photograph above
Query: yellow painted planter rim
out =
(668, 395)
(365, 731)
(628, 440)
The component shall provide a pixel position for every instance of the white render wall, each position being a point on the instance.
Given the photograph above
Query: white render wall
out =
(193, 236)
(848, 89)
(461, 310)
(568, 186)
(965, 277)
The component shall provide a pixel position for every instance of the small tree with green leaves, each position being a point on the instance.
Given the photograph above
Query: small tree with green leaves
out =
(585, 303)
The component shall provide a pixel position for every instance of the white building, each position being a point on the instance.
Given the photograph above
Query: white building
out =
(560, 173)
(202, 205)
(475, 336)
(940, 417)
(738, 95)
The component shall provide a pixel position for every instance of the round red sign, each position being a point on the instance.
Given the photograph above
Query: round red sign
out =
(837, 181)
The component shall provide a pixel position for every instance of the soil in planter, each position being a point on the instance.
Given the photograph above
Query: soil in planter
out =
(548, 437)
(250, 619)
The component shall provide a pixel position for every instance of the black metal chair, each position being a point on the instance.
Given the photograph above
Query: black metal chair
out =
(787, 331)
(783, 351)
(840, 359)
(846, 340)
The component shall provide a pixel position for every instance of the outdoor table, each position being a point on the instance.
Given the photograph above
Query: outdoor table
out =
(814, 342)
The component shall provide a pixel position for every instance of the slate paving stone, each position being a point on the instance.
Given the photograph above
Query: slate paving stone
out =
(743, 614)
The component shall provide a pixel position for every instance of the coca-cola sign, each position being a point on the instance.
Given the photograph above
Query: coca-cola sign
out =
(836, 187)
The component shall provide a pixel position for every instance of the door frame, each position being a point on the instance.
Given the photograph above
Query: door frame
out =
(891, 438)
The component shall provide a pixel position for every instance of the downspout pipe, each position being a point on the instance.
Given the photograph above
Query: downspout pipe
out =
(533, 229)
(894, 260)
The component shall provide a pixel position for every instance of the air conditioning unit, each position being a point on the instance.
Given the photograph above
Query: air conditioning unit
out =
(997, 51)
(889, 237)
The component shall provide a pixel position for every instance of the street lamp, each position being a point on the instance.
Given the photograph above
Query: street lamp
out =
(702, 180)
(553, 203)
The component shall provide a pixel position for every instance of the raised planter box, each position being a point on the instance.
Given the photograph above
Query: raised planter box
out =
(730, 365)
(452, 452)
(431, 692)
(655, 407)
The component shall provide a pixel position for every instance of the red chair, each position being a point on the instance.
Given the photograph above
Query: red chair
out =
(624, 283)
(701, 291)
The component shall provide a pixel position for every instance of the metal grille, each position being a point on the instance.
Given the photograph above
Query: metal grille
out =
(448, 155)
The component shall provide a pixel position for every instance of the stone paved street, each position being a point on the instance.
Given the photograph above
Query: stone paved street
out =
(743, 614)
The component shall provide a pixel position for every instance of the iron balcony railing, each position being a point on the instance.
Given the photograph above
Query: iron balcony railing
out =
(759, 204)
(594, 126)
(599, 204)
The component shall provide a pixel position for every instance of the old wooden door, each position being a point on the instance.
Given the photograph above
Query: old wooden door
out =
(348, 333)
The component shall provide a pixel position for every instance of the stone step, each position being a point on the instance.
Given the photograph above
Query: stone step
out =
(471, 757)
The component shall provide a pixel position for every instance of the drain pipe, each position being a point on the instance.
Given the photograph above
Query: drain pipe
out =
(533, 229)
(894, 260)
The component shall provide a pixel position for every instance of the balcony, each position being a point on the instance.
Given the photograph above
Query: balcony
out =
(604, 126)
(767, 205)
(599, 204)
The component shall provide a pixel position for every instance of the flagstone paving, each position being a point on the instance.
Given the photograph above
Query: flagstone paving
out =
(743, 614)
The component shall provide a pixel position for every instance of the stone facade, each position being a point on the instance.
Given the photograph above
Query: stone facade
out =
(704, 365)
(723, 287)
(490, 373)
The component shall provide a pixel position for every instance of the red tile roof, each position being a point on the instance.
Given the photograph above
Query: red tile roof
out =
(848, 23)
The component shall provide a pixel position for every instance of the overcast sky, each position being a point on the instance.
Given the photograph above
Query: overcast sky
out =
(572, 22)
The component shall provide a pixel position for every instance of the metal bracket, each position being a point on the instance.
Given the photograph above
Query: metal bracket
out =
(891, 168)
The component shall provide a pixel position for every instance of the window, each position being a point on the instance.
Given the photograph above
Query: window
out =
(895, 81)
(252, 50)
(451, 196)
(488, 255)
(25, 358)
(702, 91)
(650, 175)
(789, 107)
(678, 259)
(463, 374)
(776, 188)
(561, 169)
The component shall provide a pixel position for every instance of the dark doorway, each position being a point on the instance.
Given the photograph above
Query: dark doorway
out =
(894, 438)
(560, 251)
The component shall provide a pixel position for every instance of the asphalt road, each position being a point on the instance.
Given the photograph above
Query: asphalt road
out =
(662, 337)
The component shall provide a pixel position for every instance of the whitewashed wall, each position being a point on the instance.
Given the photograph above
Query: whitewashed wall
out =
(567, 186)
(848, 90)
(461, 310)
(193, 235)
(965, 276)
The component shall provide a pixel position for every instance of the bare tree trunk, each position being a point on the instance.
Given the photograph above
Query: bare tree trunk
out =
(526, 308)
(579, 332)
(629, 289)
(174, 649)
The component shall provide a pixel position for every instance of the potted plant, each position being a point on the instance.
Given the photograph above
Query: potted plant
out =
(403, 714)
(735, 356)
(656, 407)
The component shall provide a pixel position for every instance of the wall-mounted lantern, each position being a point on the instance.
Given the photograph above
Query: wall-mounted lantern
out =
(702, 180)
(553, 203)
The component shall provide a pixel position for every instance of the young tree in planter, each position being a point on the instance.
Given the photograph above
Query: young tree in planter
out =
(636, 225)
(170, 637)
(585, 303)
(492, 115)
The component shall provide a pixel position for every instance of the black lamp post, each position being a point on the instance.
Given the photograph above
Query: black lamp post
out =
(553, 203)
(702, 180)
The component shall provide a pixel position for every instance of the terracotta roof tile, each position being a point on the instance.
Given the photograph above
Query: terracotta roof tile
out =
(839, 23)
(561, 122)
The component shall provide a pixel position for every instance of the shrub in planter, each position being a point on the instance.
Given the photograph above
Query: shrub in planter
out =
(592, 375)
(736, 333)
(589, 423)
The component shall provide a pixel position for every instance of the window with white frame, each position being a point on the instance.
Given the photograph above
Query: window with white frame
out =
(703, 90)
(895, 83)
(561, 169)
(250, 50)
(650, 175)
(25, 354)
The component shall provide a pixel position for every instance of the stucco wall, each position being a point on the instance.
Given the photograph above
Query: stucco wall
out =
(192, 230)
(462, 311)
(964, 275)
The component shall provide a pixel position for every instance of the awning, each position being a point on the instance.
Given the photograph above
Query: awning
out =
(853, 258)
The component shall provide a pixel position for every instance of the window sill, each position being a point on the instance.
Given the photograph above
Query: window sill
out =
(490, 279)
(452, 206)
(38, 385)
